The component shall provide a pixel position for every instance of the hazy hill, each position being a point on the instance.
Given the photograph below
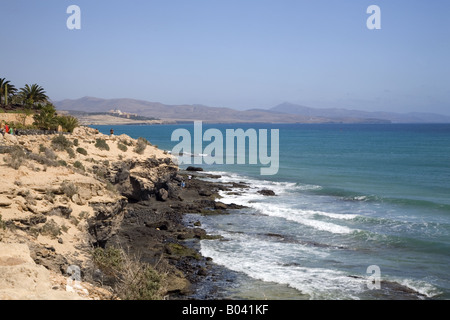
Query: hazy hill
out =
(335, 113)
(181, 112)
(283, 113)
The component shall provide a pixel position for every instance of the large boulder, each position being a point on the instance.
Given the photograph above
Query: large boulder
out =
(162, 194)
(205, 193)
(194, 169)
(266, 192)
(220, 206)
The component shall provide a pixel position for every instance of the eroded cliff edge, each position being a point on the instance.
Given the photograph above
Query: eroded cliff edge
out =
(64, 196)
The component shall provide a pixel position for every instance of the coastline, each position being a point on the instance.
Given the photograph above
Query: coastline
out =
(135, 202)
(118, 199)
(262, 287)
(159, 232)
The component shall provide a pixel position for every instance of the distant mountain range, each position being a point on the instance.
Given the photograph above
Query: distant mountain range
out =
(334, 113)
(283, 113)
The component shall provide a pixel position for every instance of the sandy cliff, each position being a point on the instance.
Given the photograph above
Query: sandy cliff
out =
(57, 201)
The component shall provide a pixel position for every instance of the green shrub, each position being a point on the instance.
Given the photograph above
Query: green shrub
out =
(82, 151)
(49, 154)
(101, 144)
(69, 189)
(100, 171)
(70, 152)
(126, 142)
(48, 159)
(122, 147)
(79, 165)
(15, 158)
(60, 143)
(109, 261)
(143, 283)
(141, 145)
(134, 280)
(2, 223)
(83, 215)
(76, 143)
(52, 229)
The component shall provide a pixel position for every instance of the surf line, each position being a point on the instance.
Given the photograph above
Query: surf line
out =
(234, 153)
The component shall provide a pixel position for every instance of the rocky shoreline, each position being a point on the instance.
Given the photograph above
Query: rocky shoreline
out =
(65, 196)
(155, 229)
(59, 205)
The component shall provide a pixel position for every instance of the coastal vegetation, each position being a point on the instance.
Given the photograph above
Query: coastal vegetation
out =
(141, 145)
(32, 101)
(82, 151)
(122, 147)
(134, 280)
(101, 144)
(2, 223)
(61, 143)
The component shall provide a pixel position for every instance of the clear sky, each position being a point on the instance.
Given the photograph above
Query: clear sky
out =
(234, 53)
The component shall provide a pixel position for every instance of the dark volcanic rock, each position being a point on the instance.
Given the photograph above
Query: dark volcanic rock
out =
(106, 222)
(162, 194)
(153, 227)
(194, 169)
(266, 192)
(220, 205)
(205, 193)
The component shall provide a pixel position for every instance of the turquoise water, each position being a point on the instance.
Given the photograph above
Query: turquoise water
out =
(348, 197)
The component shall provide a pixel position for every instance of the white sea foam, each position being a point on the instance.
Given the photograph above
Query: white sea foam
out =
(421, 287)
(257, 184)
(302, 217)
(341, 216)
(281, 209)
(288, 264)
(265, 261)
(261, 263)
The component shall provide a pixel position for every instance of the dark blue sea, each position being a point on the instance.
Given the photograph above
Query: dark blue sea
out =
(348, 197)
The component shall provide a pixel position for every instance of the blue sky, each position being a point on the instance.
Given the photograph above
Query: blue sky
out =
(239, 54)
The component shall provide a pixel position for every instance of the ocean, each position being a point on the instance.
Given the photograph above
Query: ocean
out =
(361, 211)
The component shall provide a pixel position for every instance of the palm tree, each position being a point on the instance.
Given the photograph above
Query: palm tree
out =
(6, 89)
(69, 123)
(3, 84)
(33, 94)
(47, 118)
